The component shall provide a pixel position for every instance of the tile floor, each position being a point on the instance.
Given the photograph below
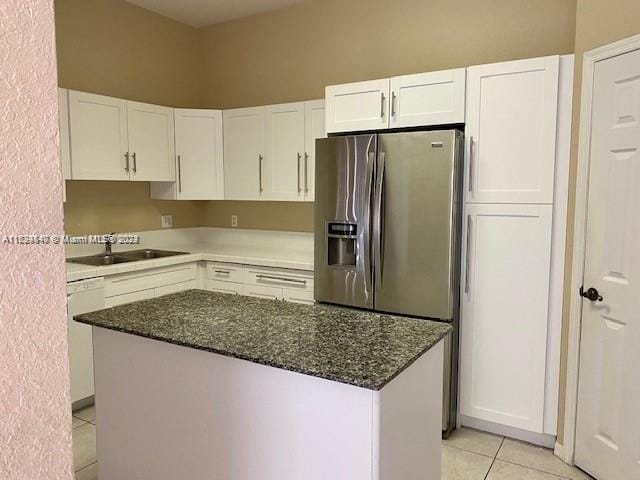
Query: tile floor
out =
(466, 455)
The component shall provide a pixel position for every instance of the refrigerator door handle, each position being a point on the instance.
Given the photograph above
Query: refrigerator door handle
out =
(378, 234)
(369, 226)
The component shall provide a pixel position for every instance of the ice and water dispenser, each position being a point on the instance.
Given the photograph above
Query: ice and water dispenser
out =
(342, 243)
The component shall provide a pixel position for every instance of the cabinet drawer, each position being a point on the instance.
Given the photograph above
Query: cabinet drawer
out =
(224, 287)
(262, 291)
(279, 277)
(298, 296)
(148, 279)
(226, 272)
(175, 287)
(128, 298)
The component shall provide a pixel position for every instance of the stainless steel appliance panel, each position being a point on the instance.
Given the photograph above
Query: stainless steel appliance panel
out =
(344, 189)
(413, 239)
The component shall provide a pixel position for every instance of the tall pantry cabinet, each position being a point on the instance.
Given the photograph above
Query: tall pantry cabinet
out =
(518, 124)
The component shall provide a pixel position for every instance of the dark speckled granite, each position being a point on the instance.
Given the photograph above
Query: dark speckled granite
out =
(359, 348)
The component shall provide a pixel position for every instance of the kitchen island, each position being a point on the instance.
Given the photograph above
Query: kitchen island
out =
(207, 385)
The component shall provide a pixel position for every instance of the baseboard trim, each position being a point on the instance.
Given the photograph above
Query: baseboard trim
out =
(542, 439)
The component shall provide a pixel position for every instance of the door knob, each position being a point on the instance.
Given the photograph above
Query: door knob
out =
(591, 294)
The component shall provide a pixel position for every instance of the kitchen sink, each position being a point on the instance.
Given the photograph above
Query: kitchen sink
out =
(104, 259)
(148, 254)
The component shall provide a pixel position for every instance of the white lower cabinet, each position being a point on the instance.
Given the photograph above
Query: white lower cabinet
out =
(262, 282)
(153, 282)
(260, 291)
(224, 287)
(505, 301)
(298, 296)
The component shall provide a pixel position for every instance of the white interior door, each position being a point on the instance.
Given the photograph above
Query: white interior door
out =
(511, 131)
(285, 152)
(608, 421)
(505, 300)
(244, 147)
(99, 142)
(314, 128)
(151, 142)
(200, 174)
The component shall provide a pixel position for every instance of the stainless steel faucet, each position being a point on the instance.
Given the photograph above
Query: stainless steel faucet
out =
(108, 243)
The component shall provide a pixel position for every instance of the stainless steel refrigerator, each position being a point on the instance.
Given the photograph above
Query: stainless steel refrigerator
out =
(387, 223)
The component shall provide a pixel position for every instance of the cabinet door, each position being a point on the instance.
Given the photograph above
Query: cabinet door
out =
(65, 147)
(298, 296)
(128, 298)
(511, 131)
(175, 287)
(433, 98)
(200, 174)
(503, 326)
(314, 128)
(357, 106)
(244, 147)
(151, 142)
(284, 152)
(261, 291)
(99, 142)
(224, 287)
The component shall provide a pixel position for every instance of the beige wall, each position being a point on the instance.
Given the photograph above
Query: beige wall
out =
(114, 48)
(97, 207)
(35, 418)
(291, 216)
(598, 22)
(291, 54)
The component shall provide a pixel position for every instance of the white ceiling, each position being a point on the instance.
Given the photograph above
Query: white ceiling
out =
(199, 13)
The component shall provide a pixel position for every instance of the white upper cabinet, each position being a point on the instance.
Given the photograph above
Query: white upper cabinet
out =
(244, 152)
(283, 167)
(99, 141)
(314, 128)
(504, 302)
(357, 106)
(199, 158)
(511, 131)
(428, 98)
(65, 147)
(434, 98)
(115, 139)
(151, 142)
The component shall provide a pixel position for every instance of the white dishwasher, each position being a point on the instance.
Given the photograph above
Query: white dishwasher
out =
(83, 296)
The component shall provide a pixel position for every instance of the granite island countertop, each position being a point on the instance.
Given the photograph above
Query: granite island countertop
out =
(356, 347)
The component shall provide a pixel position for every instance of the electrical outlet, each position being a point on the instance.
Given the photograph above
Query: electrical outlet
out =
(234, 220)
(167, 221)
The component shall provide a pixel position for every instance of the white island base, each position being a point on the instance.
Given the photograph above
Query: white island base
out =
(167, 412)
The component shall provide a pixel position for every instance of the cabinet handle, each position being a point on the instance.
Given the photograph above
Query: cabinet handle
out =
(135, 163)
(393, 104)
(226, 272)
(179, 174)
(126, 168)
(470, 164)
(467, 256)
(260, 173)
(299, 188)
(382, 105)
(306, 178)
(281, 279)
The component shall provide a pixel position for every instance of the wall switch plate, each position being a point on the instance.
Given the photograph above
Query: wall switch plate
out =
(234, 220)
(167, 221)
